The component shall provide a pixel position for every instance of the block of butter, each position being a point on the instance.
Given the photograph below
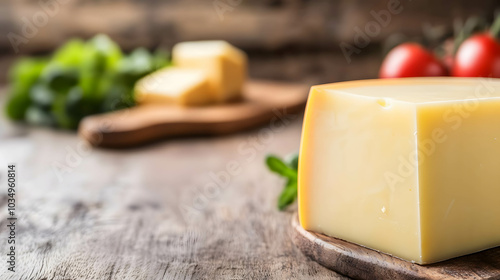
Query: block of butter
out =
(225, 65)
(409, 167)
(187, 87)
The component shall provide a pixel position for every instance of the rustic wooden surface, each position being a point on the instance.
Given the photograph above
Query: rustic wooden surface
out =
(363, 263)
(258, 24)
(151, 212)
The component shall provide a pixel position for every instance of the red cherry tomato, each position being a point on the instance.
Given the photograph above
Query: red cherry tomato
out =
(478, 56)
(411, 60)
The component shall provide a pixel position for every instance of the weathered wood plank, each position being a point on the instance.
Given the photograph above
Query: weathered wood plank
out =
(264, 25)
(153, 212)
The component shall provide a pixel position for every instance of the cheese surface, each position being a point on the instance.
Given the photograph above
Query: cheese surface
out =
(188, 87)
(225, 65)
(409, 167)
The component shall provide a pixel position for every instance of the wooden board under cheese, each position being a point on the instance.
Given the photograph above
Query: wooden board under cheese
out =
(262, 101)
(359, 262)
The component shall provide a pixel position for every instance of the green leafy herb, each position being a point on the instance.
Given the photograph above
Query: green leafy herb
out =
(79, 79)
(288, 195)
(287, 169)
(23, 75)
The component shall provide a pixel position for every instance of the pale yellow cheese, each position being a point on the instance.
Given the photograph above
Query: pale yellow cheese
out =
(225, 65)
(410, 167)
(187, 87)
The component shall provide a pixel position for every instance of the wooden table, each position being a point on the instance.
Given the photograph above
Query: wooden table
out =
(153, 212)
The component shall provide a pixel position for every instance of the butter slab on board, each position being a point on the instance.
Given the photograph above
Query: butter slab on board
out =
(263, 102)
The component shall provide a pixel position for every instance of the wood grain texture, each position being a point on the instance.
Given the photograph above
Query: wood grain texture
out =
(363, 263)
(262, 25)
(151, 212)
(263, 102)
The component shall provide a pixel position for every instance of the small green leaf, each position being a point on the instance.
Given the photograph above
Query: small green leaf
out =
(110, 51)
(74, 102)
(62, 118)
(60, 79)
(92, 70)
(293, 161)
(140, 61)
(288, 170)
(278, 166)
(70, 54)
(161, 58)
(17, 105)
(42, 96)
(26, 71)
(288, 195)
(37, 116)
(23, 75)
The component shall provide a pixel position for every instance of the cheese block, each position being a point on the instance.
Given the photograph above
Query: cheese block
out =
(187, 87)
(409, 167)
(225, 65)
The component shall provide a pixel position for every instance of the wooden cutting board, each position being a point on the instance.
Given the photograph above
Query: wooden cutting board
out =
(362, 263)
(263, 103)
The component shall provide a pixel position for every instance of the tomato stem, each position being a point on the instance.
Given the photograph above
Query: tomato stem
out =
(471, 26)
(495, 28)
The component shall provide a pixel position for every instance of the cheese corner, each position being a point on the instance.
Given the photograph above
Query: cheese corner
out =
(186, 87)
(225, 65)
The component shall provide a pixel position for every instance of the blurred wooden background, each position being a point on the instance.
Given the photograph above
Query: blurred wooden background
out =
(296, 40)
